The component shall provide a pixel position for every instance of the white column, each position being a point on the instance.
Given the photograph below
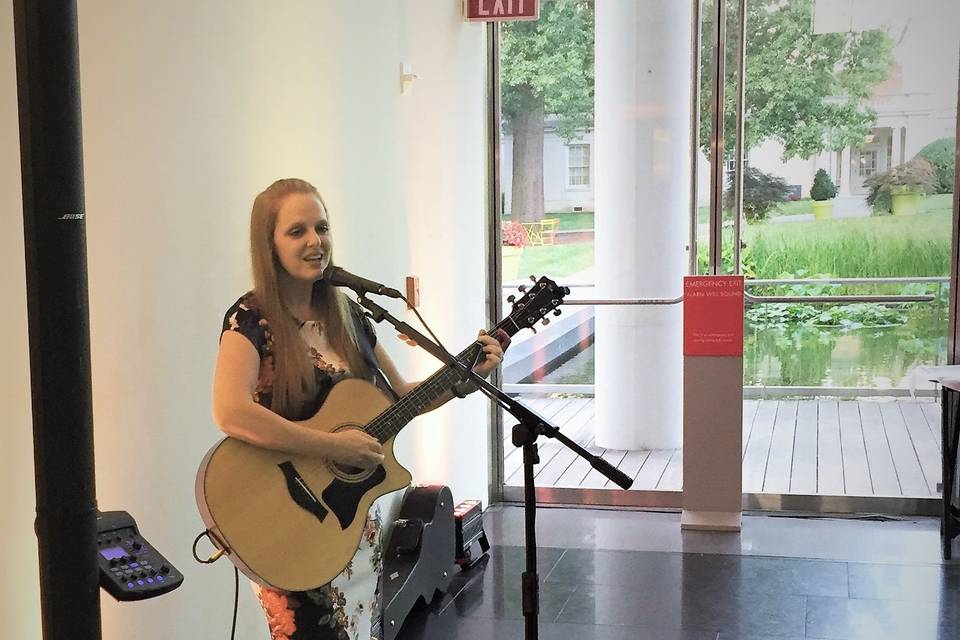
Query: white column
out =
(643, 92)
(845, 169)
(897, 151)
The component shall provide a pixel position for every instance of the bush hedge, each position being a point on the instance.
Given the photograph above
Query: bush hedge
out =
(942, 155)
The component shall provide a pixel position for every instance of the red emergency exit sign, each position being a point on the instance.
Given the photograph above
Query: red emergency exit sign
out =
(500, 10)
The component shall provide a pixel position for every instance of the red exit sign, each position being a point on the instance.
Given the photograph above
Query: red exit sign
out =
(500, 10)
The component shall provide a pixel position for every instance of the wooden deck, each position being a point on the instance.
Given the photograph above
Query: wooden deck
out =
(808, 447)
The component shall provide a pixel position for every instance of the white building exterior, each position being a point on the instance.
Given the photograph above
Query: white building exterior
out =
(568, 175)
(915, 106)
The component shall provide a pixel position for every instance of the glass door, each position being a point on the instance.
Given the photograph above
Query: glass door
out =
(835, 139)
(597, 147)
(849, 121)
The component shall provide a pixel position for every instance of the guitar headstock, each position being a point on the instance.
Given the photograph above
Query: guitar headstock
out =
(536, 301)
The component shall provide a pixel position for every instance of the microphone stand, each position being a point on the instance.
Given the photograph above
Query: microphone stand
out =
(531, 425)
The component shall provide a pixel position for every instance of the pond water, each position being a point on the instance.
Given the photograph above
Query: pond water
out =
(808, 356)
(870, 357)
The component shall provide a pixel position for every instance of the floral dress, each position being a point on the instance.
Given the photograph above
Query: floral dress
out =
(349, 607)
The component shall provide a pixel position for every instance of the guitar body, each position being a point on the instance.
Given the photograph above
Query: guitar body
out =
(294, 522)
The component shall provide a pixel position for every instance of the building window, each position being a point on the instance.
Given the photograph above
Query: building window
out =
(868, 163)
(578, 166)
(730, 164)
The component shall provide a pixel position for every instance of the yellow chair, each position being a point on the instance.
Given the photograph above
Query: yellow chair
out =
(548, 230)
(542, 232)
(534, 233)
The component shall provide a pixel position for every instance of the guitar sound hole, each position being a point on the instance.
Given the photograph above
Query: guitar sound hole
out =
(349, 471)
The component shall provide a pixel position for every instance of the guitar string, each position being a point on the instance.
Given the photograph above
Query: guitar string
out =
(386, 424)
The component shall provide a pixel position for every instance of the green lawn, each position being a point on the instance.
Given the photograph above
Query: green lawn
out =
(940, 203)
(575, 221)
(570, 221)
(794, 208)
(880, 246)
(557, 260)
(883, 246)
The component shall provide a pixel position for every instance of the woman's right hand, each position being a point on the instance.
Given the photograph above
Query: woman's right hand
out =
(355, 448)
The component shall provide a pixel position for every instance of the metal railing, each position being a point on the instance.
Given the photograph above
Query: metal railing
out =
(827, 299)
(623, 301)
(755, 299)
(883, 299)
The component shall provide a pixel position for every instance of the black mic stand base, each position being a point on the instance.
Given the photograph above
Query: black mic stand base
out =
(524, 437)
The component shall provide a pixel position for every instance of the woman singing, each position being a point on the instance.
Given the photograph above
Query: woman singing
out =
(284, 345)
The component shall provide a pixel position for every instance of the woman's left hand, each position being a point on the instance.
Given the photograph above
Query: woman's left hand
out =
(493, 350)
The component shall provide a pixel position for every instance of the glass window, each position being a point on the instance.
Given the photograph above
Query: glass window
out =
(578, 163)
(868, 163)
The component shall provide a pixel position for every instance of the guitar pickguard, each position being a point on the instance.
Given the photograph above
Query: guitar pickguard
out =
(343, 498)
(300, 492)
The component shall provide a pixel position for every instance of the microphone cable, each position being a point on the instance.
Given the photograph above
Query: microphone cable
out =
(424, 323)
(457, 391)
(236, 577)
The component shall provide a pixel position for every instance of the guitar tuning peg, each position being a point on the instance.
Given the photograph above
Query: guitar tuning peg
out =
(556, 312)
(533, 278)
(522, 288)
(511, 298)
(546, 321)
(533, 328)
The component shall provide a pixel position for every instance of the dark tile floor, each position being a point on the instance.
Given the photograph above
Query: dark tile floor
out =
(780, 578)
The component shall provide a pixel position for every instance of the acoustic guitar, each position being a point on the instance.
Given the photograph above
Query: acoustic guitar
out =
(293, 522)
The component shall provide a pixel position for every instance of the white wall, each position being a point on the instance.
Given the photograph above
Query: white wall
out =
(189, 109)
(768, 156)
(19, 591)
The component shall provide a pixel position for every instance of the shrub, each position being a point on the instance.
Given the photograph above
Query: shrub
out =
(514, 235)
(915, 175)
(942, 155)
(823, 187)
(761, 193)
(748, 265)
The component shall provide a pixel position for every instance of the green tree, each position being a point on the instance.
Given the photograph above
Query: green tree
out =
(761, 193)
(546, 69)
(942, 155)
(803, 89)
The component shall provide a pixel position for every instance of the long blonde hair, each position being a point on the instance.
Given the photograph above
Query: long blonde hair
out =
(295, 382)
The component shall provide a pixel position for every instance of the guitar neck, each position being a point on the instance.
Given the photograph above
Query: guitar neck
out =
(391, 421)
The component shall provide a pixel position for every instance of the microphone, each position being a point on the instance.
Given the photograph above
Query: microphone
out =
(341, 278)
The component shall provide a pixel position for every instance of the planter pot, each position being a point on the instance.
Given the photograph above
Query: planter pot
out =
(822, 209)
(511, 262)
(905, 204)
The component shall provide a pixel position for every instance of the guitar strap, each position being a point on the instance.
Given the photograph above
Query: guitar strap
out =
(366, 350)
